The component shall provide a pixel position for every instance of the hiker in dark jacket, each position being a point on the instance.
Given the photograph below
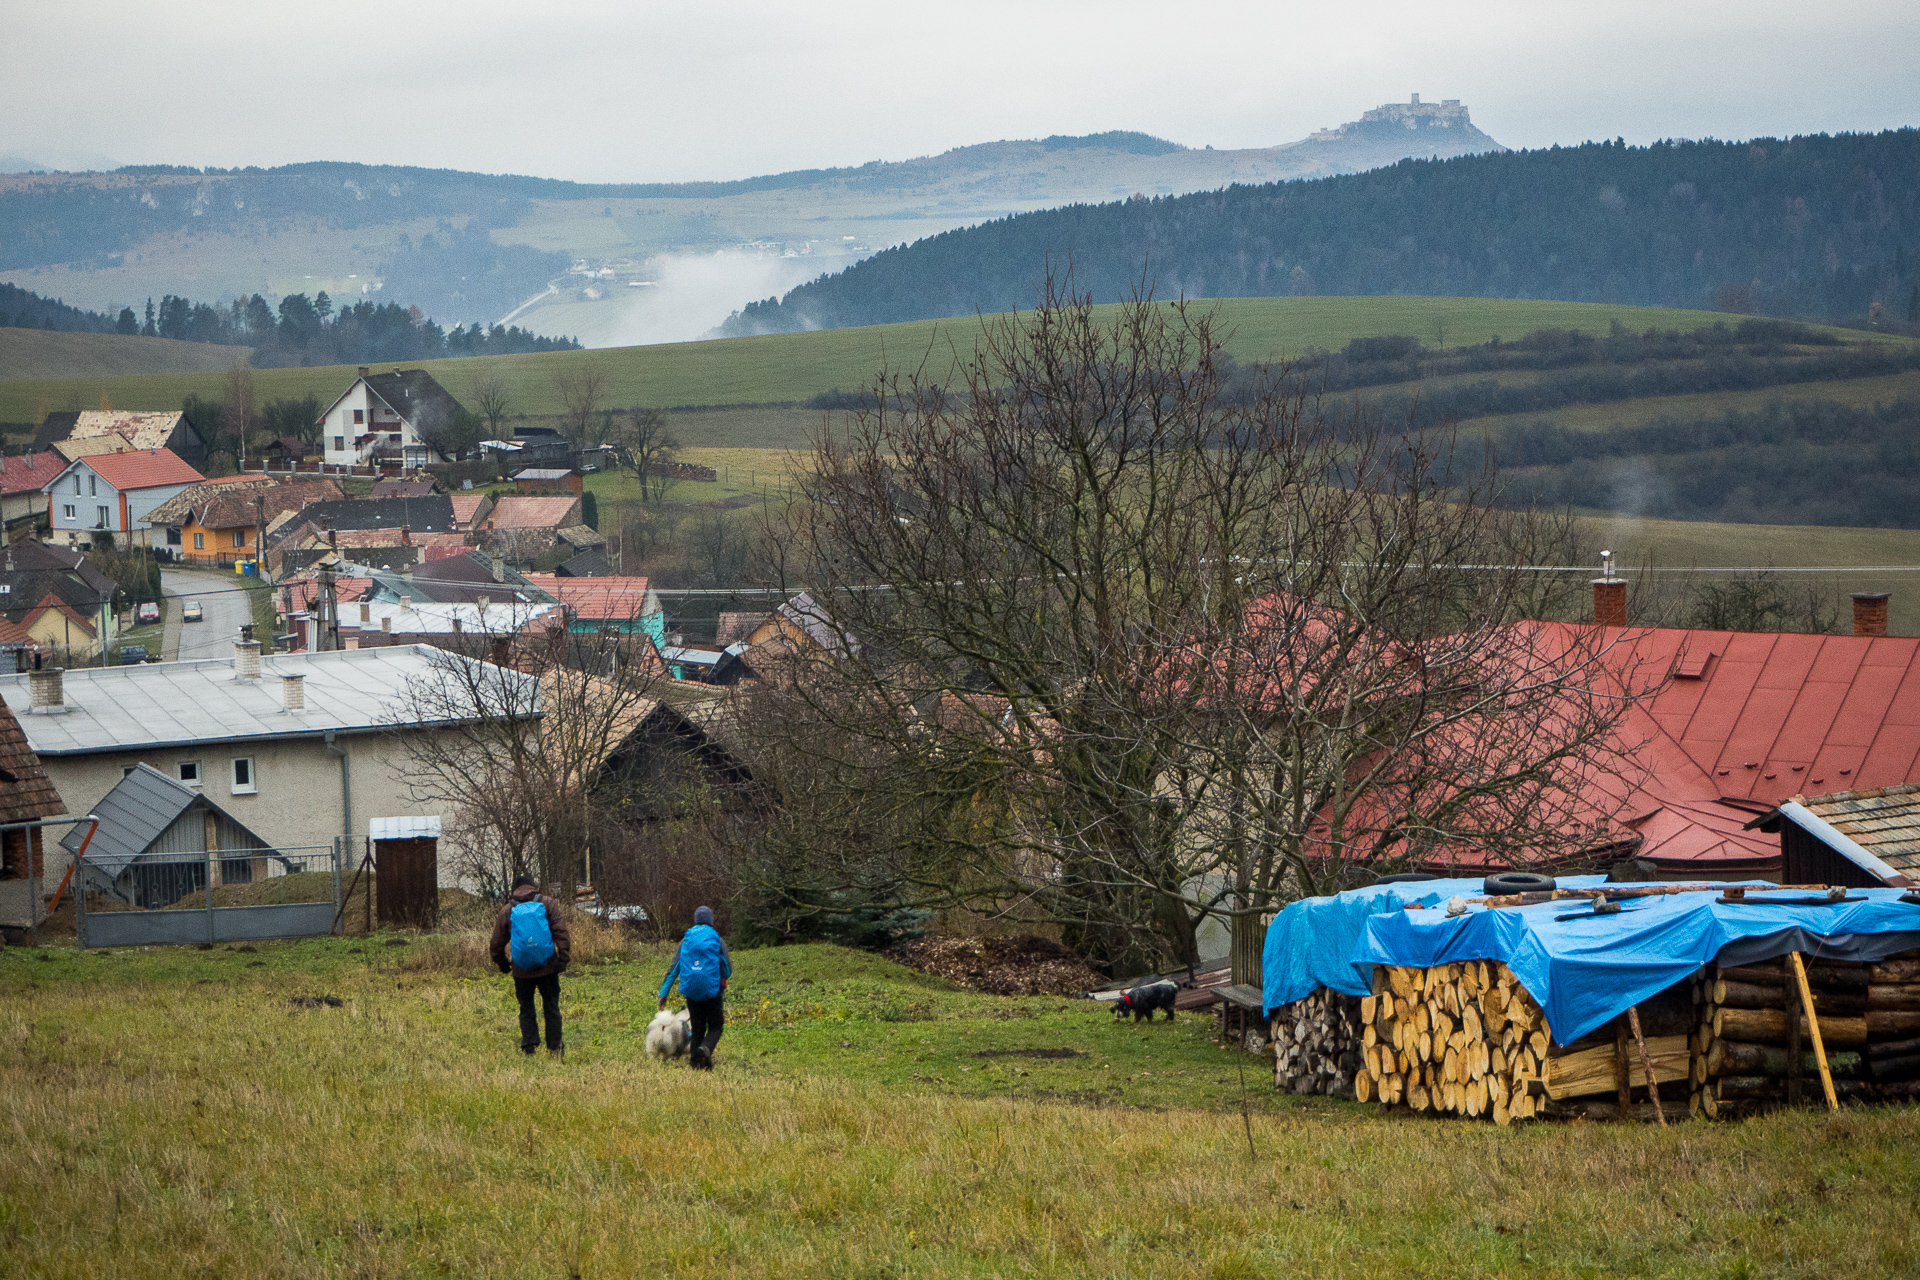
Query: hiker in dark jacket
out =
(703, 966)
(531, 972)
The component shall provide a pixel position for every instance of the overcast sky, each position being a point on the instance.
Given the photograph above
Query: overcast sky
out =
(625, 90)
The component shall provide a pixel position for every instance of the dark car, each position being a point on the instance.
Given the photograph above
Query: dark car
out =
(133, 653)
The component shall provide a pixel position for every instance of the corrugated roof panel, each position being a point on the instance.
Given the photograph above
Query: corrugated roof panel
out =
(1789, 662)
(1719, 713)
(1839, 659)
(1864, 709)
(1890, 760)
(1906, 699)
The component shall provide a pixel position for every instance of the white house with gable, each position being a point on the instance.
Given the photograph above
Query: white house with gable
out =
(388, 419)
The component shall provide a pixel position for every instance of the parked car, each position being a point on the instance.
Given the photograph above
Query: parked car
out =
(133, 653)
(191, 613)
(147, 612)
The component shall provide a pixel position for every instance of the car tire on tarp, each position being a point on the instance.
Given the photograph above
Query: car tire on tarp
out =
(1509, 882)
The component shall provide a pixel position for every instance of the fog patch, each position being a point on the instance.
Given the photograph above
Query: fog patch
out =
(692, 293)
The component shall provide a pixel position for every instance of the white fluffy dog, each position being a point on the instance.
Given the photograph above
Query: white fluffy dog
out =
(668, 1033)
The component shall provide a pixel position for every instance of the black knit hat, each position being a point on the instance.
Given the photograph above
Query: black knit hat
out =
(523, 882)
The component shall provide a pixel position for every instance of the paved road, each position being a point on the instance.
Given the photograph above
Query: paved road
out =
(224, 603)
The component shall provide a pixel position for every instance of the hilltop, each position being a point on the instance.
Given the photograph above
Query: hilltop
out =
(599, 259)
(1813, 226)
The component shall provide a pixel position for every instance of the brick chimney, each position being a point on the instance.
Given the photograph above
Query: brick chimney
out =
(246, 656)
(293, 693)
(363, 371)
(46, 691)
(1609, 595)
(1870, 613)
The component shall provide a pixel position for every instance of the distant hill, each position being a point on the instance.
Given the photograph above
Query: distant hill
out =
(1814, 226)
(565, 257)
(41, 353)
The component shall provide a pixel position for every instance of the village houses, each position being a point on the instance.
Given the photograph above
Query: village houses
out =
(105, 498)
(388, 419)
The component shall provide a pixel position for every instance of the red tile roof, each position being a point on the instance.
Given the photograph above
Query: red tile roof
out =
(524, 511)
(30, 472)
(143, 469)
(1749, 720)
(596, 599)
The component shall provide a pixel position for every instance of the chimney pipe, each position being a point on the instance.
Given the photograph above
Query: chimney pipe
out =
(246, 659)
(1609, 595)
(366, 612)
(363, 371)
(1870, 613)
(499, 568)
(293, 693)
(386, 624)
(46, 691)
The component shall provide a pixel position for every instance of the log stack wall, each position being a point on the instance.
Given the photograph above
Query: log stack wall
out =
(1315, 1044)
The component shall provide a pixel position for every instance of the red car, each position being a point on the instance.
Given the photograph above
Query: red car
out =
(148, 612)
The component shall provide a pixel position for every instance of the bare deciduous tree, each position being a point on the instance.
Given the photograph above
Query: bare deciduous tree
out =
(1143, 645)
(646, 447)
(491, 397)
(527, 754)
(580, 387)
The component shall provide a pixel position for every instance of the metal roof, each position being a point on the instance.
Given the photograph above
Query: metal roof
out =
(132, 815)
(167, 704)
(137, 469)
(1881, 825)
(410, 828)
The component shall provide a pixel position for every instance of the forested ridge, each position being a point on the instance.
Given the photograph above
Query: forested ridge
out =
(1818, 226)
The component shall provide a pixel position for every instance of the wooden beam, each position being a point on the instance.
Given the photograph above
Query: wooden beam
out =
(1646, 1061)
(1813, 1025)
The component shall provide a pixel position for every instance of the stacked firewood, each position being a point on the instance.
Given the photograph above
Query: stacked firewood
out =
(1316, 1044)
(1465, 1039)
(1760, 1046)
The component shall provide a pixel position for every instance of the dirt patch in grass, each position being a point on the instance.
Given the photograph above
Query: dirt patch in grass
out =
(1023, 966)
(315, 1002)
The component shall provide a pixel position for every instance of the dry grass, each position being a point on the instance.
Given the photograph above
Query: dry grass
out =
(463, 950)
(159, 1125)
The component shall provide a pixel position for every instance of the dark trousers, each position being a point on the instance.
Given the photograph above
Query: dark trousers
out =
(549, 989)
(708, 1018)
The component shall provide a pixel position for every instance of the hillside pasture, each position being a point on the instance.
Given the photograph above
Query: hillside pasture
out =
(178, 1112)
(787, 368)
(42, 353)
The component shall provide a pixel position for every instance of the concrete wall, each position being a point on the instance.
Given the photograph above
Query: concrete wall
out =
(296, 804)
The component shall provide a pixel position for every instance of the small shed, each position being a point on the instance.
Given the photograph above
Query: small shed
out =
(1861, 839)
(406, 859)
(549, 480)
(155, 842)
(26, 796)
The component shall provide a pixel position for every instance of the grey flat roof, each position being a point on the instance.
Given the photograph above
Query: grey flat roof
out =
(183, 703)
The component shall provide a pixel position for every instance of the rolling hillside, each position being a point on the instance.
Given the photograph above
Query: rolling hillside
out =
(1814, 226)
(471, 247)
(41, 353)
(787, 368)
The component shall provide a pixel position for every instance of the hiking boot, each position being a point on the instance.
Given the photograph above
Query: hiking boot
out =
(556, 1051)
(701, 1059)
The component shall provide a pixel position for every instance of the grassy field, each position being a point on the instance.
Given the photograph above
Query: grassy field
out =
(1859, 392)
(180, 1112)
(39, 353)
(792, 367)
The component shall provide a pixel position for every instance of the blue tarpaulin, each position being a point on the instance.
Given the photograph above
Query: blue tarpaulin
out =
(1585, 971)
(1311, 943)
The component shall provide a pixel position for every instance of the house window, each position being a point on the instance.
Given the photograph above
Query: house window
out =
(243, 776)
(173, 536)
(339, 444)
(76, 482)
(93, 486)
(359, 417)
(239, 537)
(190, 772)
(106, 517)
(69, 512)
(199, 542)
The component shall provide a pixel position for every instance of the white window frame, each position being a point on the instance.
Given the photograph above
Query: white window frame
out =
(180, 771)
(68, 511)
(236, 787)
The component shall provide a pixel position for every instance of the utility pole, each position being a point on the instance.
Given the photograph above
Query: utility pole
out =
(329, 629)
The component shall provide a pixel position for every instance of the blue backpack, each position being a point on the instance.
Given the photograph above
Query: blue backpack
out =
(531, 940)
(700, 973)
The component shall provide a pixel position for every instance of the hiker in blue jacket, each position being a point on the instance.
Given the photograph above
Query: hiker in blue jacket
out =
(532, 942)
(703, 966)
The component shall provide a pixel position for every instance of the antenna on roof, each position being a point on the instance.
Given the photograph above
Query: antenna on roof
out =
(1606, 564)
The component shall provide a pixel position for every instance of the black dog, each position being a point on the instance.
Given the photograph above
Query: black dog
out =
(1142, 1001)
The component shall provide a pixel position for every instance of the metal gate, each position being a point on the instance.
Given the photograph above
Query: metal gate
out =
(228, 895)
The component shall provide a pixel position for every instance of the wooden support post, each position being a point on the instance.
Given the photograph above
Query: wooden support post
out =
(1794, 1064)
(1813, 1026)
(1646, 1062)
(1622, 1068)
